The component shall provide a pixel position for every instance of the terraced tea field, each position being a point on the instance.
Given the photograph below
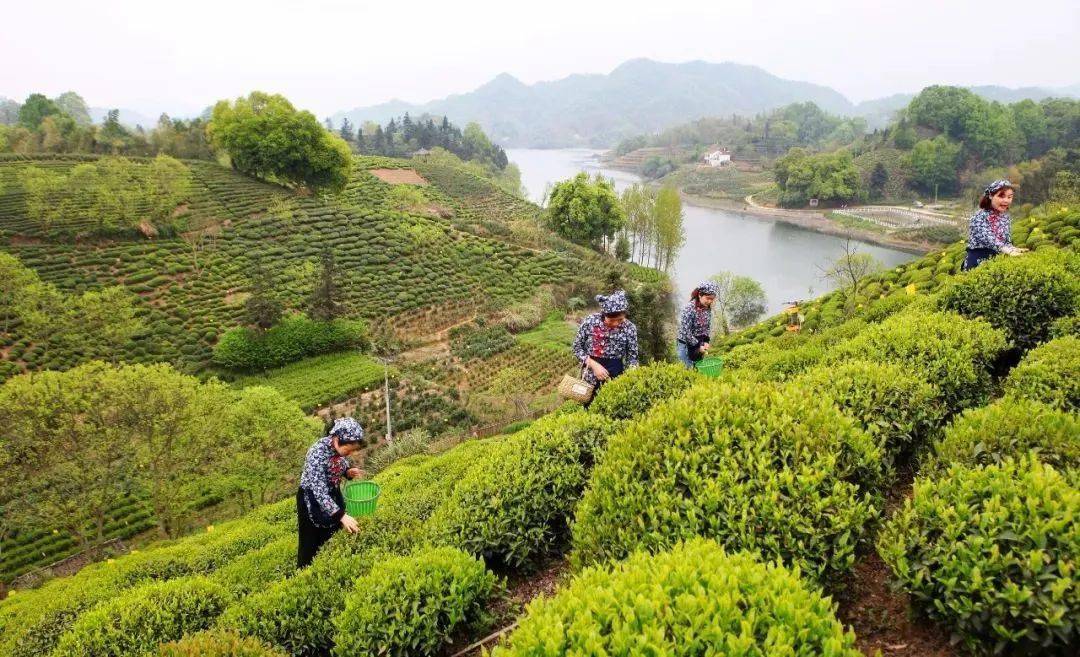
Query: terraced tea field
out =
(397, 268)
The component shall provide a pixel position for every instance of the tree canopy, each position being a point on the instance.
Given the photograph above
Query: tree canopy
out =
(828, 177)
(265, 136)
(585, 210)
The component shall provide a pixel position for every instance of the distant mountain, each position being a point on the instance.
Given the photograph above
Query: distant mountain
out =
(640, 96)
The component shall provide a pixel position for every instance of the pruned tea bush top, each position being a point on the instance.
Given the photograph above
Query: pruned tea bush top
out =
(1049, 373)
(1022, 296)
(752, 466)
(635, 392)
(1009, 428)
(691, 600)
(409, 605)
(993, 552)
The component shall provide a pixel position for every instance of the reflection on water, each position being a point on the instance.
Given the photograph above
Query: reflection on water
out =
(786, 260)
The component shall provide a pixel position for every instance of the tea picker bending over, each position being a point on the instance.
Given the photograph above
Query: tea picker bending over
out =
(320, 506)
(607, 342)
(695, 325)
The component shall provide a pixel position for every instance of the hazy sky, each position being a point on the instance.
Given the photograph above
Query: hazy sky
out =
(328, 55)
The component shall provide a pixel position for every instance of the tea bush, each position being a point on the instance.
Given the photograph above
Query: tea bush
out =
(1009, 428)
(950, 352)
(213, 643)
(1021, 296)
(899, 408)
(639, 389)
(411, 605)
(1049, 373)
(137, 621)
(771, 361)
(288, 341)
(757, 468)
(691, 600)
(514, 504)
(993, 553)
(1066, 326)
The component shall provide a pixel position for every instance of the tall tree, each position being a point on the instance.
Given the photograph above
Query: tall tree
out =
(347, 130)
(740, 300)
(265, 136)
(848, 270)
(324, 304)
(73, 105)
(670, 232)
(34, 109)
(585, 211)
(262, 308)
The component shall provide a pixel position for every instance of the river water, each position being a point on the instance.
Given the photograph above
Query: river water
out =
(785, 259)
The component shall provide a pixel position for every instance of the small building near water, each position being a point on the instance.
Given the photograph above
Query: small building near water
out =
(718, 157)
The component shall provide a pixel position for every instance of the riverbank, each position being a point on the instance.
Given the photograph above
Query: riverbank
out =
(811, 220)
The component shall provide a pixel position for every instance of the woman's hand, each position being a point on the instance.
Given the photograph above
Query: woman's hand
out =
(599, 371)
(354, 473)
(349, 523)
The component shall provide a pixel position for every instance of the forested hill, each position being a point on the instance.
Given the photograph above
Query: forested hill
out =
(192, 239)
(642, 96)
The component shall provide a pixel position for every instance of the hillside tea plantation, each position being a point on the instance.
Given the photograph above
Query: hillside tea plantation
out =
(917, 428)
(192, 286)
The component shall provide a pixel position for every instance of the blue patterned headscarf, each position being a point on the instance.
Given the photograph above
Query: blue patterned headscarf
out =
(347, 430)
(616, 302)
(997, 186)
(708, 288)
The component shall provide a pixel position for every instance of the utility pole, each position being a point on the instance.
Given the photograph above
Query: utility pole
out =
(386, 393)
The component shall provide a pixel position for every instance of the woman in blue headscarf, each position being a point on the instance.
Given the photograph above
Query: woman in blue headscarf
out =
(320, 506)
(607, 342)
(990, 229)
(695, 325)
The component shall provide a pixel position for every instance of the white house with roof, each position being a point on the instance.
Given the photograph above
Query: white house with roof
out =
(718, 157)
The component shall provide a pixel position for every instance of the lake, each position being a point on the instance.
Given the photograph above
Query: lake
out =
(786, 260)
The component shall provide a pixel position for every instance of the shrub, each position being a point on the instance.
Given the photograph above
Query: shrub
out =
(752, 466)
(410, 605)
(770, 361)
(137, 621)
(993, 553)
(1009, 428)
(1049, 373)
(407, 443)
(1066, 326)
(950, 352)
(297, 614)
(692, 600)
(514, 503)
(218, 644)
(260, 568)
(899, 408)
(638, 390)
(1021, 296)
(290, 340)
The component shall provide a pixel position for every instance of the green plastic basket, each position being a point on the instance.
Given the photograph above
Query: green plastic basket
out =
(361, 498)
(711, 367)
